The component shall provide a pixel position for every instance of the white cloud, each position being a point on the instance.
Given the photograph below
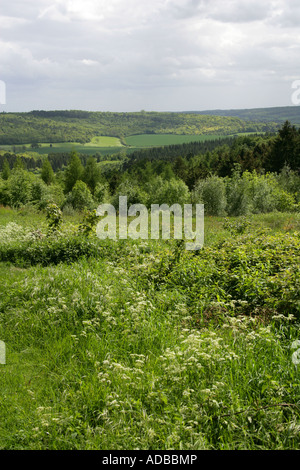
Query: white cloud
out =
(169, 53)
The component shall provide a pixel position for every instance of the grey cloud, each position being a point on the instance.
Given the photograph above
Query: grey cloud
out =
(162, 52)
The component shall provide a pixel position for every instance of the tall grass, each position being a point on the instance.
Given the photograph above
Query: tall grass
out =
(109, 353)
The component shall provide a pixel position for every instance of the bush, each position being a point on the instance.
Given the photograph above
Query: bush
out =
(237, 192)
(134, 194)
(212, 193)
(80, 197)
(254, 273)
(19, 188)
(50, 250)
(101, 193)
(173, 191)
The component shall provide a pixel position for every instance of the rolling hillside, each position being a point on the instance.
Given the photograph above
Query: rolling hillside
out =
(82, 126)
(276, 114)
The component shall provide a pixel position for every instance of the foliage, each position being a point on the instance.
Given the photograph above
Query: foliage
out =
(80, 126)
(130, 189)
(141, 345)
(80, 196)
(89, 222)
(255, 274)
(73, 172)
(19, 187)
(54, 218)
(238, 226)
(101, 193)
(47, 173)
(212, 193)
(5, 170)
(91, 174)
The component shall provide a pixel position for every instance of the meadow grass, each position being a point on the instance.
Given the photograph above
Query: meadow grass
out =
(158, 140)
(111, 353)
(98, 144)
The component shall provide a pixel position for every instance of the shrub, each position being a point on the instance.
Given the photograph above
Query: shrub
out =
(49, 250)
(237, 193)
(212, 193)
(130, 189)
(173, 191)
(101, 193)
(80, 197)
(19, 188)
(54, 218)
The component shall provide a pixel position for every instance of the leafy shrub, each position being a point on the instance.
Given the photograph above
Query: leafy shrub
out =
(130, 189)
(237, 226)
(54, 218)
(101, 193)
(212, 193)
(19, 188)
(237, 193)
(88, 225)
(257, 272)
(49, 250)
(80, 197)
(172, 191)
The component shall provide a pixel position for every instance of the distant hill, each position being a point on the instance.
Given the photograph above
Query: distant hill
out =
(276, 114)
(82, 126)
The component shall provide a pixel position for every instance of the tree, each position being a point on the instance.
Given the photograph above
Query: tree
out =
(19, 164)
(286, 149)
(47, 173)
(5, 170)
(80, 197)
(19, 187)
(73, 172)
(92, 174)
(181, 168)
(174, 191)
(212, 193)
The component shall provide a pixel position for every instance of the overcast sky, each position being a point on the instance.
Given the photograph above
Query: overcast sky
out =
(156, 55)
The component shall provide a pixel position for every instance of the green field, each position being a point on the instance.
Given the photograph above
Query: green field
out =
(103, 144)
(160, 140)
(106, 145)
(109, 145)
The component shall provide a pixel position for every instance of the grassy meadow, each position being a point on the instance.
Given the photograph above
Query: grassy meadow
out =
(158, 140)
(103, 144)
(139, 344)
(106, 145)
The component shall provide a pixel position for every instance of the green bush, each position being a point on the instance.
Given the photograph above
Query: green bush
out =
(50, 250)
(80, 197)
(212, 193)
(237, 193)
(130, 189)
(257, 272)
(172, 191)
(20, 187)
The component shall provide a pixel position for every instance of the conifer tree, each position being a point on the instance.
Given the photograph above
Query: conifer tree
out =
(5, 170)
(47, 173)
(73, 172)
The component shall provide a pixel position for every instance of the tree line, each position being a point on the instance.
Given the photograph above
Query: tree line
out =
(81, 126)
(248, 174)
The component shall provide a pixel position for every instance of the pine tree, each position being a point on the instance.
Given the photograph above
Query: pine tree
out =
(47, 173)
(5, 170)
(92, 174)
(73, 172)
(19, 164)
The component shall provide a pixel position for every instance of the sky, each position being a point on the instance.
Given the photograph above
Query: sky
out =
(152, 55)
